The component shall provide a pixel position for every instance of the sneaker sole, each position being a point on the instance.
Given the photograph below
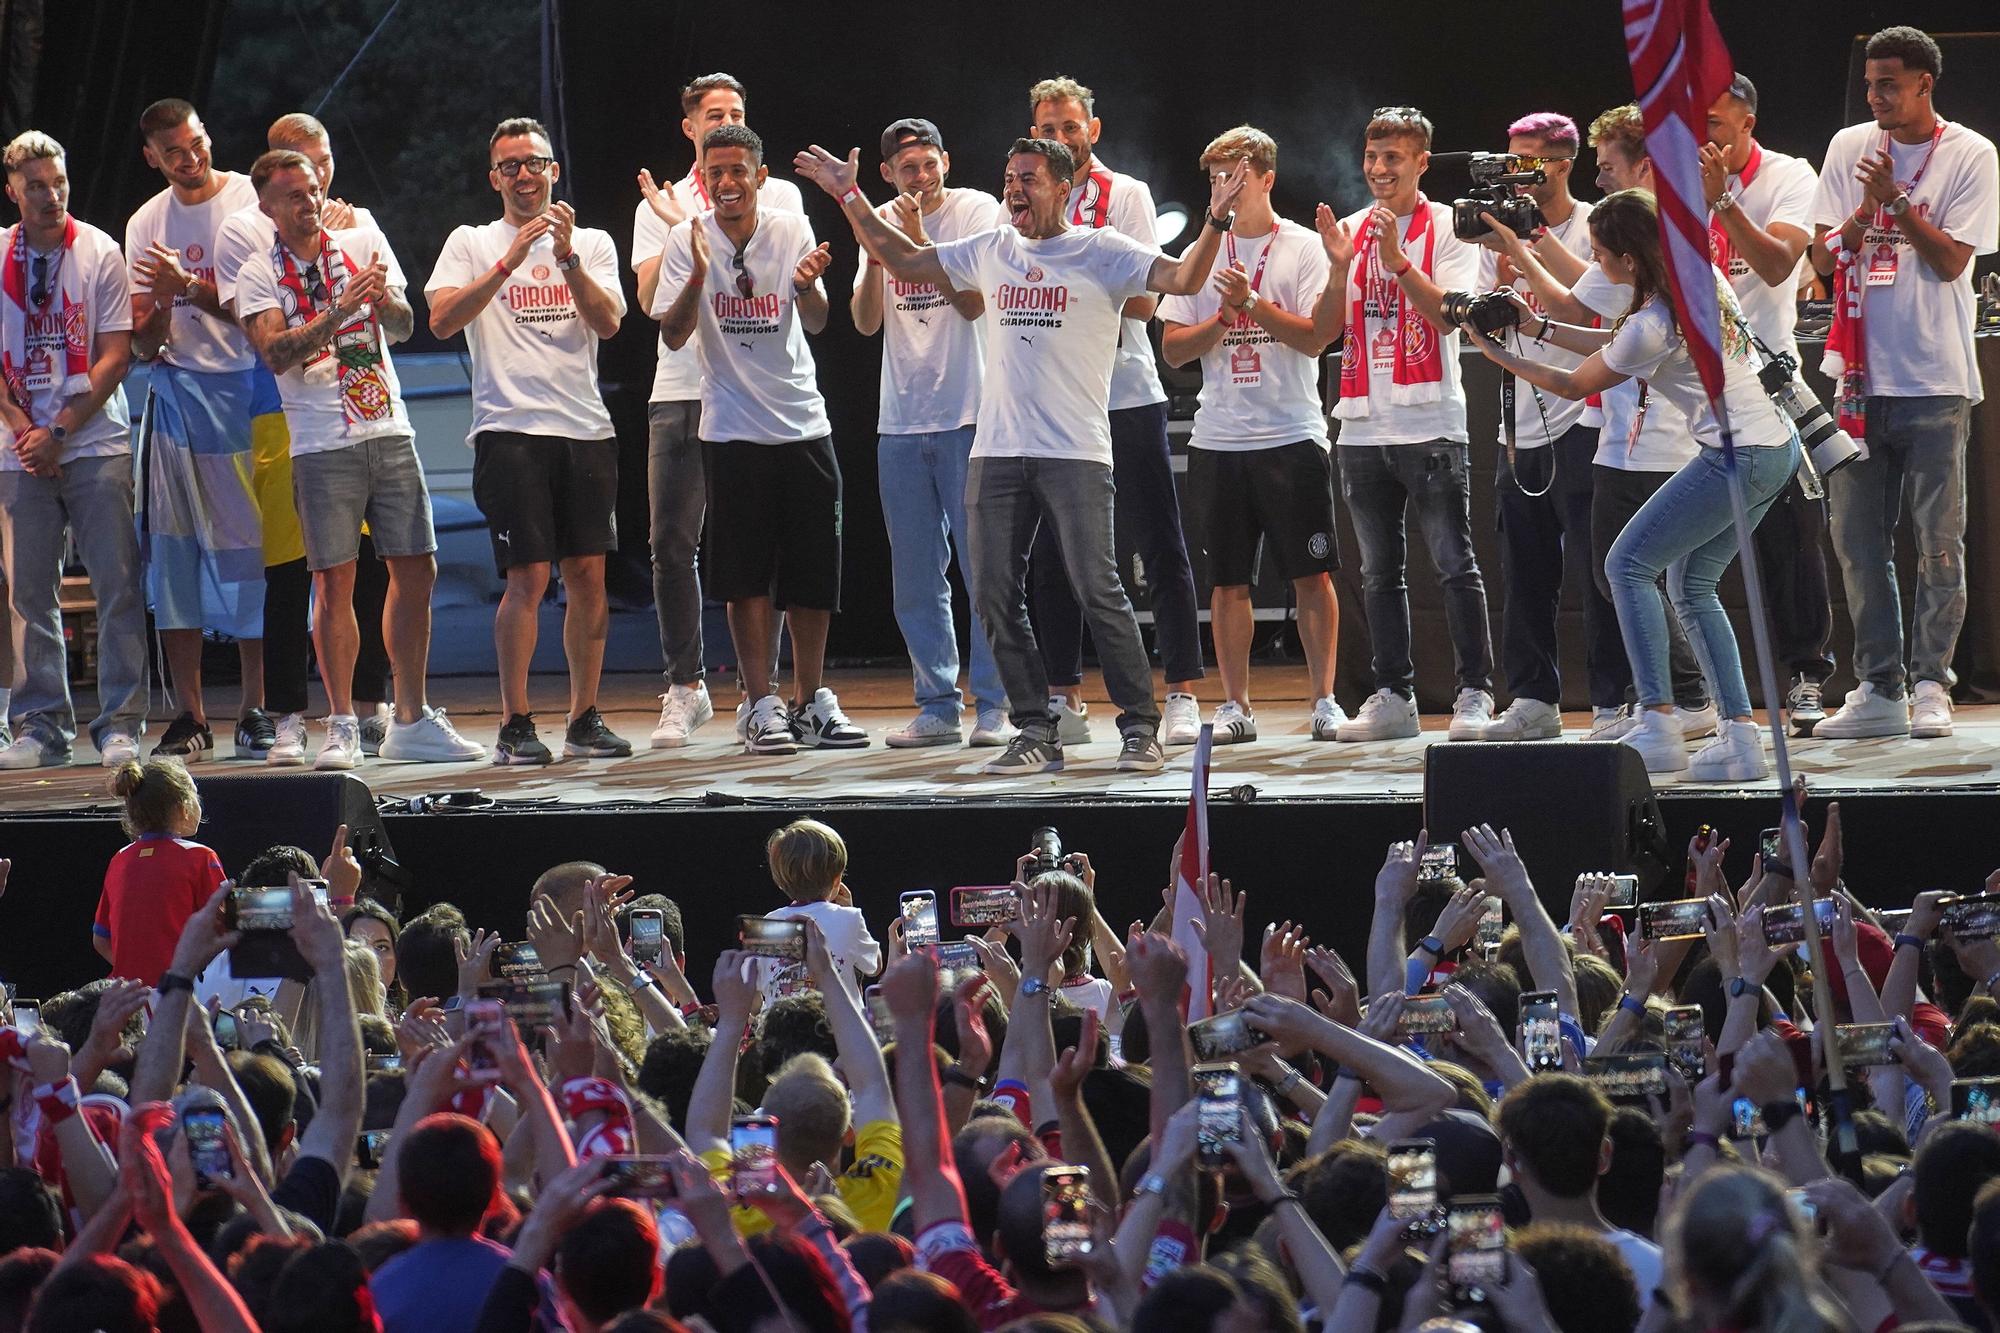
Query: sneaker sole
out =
(1872, 731)
(293, 761)
(334, 765)
(1471, 732)
(1929, 733)
(1006, 770)
(402, 757)
(810, 741)
(1538, 734)
(507, 759)
(191, 756)
(1319, 735)
(1178, 739)
(1140, 765)
(1235, 738)
(990, 739)
(751, 747)
(1392, 736)
(660, 742)
(896, 742)
(1803, 727)
(575, 751)
(1729, 773)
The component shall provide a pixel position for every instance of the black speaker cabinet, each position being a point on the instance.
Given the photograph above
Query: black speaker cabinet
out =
(245, 814)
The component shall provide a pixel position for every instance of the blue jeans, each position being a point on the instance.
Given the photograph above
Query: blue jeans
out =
(1919, 442)
(923, 502)
(1687, 530)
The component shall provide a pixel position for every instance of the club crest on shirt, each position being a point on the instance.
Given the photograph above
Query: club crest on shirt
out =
(541, 273)
(194, 252)
(1032, 275)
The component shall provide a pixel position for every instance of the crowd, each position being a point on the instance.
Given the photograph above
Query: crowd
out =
(288, 1109)
(1022, 415)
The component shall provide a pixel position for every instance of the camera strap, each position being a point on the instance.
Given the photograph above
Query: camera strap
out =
(1808, 477)
(1507, 435)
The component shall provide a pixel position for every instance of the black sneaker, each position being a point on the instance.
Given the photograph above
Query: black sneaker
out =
(256, 733)
(188, 740)
(589, 738)
(1027, 753)
(519, 744)
(1140, 752)
(1803, 705)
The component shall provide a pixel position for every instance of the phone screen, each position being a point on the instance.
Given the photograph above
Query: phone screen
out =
(1863, 1044)
(1541, 1032)
(1065, 1215)
(484, 1019)
(262, 909)
(980, 905)
(957, 960)
(753, 1154)
(1785, 923)
(920, 919)
(1478, 1243)
(1685, 1033)
(1976, 1099)
(1219, 1116)
(1412, 1166)
(28, 1018)
(208, 1145)
(648, 934)
(1771, 845)
(1440, 863)
(879, 1017)
(533, 1005)
(1426, 1014)
(1224, 1035)
(1679, 919)
(1628, 1074)
(516, 959)
(1492, 922)
(765, 938)
(640, 1177)
(1624, 891)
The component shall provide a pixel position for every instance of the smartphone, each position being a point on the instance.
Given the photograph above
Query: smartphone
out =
(208, 1145)
(1440, 863)
(753, 1155)
(1703, 836)
(382, 1064)
(368, 1147)
(1771, 845)
(511, 960)
(1492, 924)
(1745, 1120)
(1624, 891)
(1219, 1114)
(879, 1017)
(1477, 1243)
(1863, 1044)
(982, 905)
(1628, 1074)
(958, 960)
(1426, 1014)
(791, 979)
(226, 1035)
(1972, 916)
(532, 1004)
(1541, 1032)
(1976, 1099)
(636, 1176)
(484, 1018)
(260, 909)
(1893, 919)
(920, 919)
(1412, 1167)
(1786, 923)
(1685, 1035)
(28, 1019)
(763, 937)
(1224, 1035)
(1065, 1215)
(1679, 919)
(648, 934)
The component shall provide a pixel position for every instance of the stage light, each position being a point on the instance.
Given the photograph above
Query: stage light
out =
(1172, 221)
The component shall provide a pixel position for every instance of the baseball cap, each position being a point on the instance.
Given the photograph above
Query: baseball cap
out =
(907, 131)
(1744, 91)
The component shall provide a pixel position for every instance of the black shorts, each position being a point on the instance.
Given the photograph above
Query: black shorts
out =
(1283, 494)
(773, 523)
(545, 498)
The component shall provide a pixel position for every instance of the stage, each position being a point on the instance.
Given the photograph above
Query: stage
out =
(1300, 824)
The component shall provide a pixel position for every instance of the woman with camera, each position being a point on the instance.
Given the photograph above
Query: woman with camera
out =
(1686, 528)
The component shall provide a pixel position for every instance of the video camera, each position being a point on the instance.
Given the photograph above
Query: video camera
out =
(1494, 176)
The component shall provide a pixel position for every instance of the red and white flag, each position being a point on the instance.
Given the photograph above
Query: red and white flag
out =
(1191, 874)
(1679, 68)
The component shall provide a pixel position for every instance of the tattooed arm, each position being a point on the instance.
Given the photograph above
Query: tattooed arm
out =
(398, 320)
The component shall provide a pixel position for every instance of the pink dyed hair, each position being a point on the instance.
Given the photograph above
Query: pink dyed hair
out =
(1551, 127)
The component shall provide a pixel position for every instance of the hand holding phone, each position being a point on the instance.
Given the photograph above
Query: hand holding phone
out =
(753, 1155)
(1219, 1113)
(648, 934)
(207, 1133)
(920, 919)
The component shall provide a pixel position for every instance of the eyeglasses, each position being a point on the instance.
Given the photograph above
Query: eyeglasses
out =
(535, 166)
(39, 292)
(316, 284)
(1543, 161)
(739, 261)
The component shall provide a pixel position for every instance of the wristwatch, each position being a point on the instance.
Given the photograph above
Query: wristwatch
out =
(569, 263)
(1223, 223)
(1724, 202)
(1251, 303)
(1154, 1183)
(58, 432)
(1899, 205)
(1739, 987)
(1034, 986)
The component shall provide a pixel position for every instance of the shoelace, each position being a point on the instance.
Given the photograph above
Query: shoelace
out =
(444, 725)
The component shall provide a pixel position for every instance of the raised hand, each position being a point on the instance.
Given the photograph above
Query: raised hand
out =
(828, 172)
(160, 269)
(1043, 934)
(1396, 881)
(1222, 931)
(1334, 236)
(1226, 189)
(907, 211)
(204, 935)
(562, 228)
(558, 940)
(1714, 173)
(1505, 870)
(1877, 175)
(524, 240)
(665, 201)
(1381, 225)
(910, 987)
(1281, 963)
(697, 255)
(1159, 969)
(1232, 284)
(340, 869)
(1342, 996)
(1459, 918)
(1066, 1079)
(811, 266)
(336, 215)
(475, 959)
(735, 994)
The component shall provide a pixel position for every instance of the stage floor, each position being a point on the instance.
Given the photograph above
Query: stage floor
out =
(1284, 763)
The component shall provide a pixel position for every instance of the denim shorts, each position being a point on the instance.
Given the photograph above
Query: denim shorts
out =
(377, 480)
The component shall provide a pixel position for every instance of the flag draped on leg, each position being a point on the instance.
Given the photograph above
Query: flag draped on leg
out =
(1189, 877)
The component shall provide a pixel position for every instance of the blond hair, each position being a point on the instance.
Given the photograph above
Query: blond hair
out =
(807, 858)
(1624, 126)
(1062, 88)
(156, 795)
(26, 147)
(1246, 142)
(295, 130)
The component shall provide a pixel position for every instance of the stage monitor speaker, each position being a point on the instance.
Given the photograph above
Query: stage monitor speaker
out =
(1572, 806)
(244, 815)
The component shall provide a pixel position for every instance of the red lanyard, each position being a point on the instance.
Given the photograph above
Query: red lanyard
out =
(1226, 315)
(1922, 167)
(700, 190)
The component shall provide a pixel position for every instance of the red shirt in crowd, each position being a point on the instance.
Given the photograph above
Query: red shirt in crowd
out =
(150, 890)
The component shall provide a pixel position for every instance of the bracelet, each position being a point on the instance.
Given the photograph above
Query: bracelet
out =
(1905, 939)
(1701, 1138)
(1988, 984)
(1631, 1006)
(958, 1076)
(1365, 1278)
(1284, 1197)
(1882, 1277)
(560, 967)
(173, 981)
(502, 270)
(1399, 272)
(1283, 1087)
(853, 192)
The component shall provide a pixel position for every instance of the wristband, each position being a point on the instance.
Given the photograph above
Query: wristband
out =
(57, 1100)
(1223, 223)
(1284, 1086)
(1399, 272)
(173, 981)
(1779, 1114)
(1284, 1197)
(964, 1080)
(1700, 1138)
(1882, 1277)
(1365, 1278)
(853, 192)
(641, 980)
(1432, 945)
(570, 262)
(502, 270)
(1988, 984)
(1904, 938)
(1632, 1006)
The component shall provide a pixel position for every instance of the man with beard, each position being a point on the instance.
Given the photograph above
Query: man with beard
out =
(535, 294)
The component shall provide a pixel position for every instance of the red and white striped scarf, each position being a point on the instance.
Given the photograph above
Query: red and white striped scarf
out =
(17, 365)
(357, 349)
(1418, 372)
(604, 1107)
(1846, 359)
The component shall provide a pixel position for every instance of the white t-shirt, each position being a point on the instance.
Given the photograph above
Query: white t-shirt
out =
(1256, 392)
(855, 952)
(677, 377)
(1645, 1260)
(1135, 377)
(313, 414)
(534, 359)
(107, 294)
(197, 341)
(1663, 442)
(1918, 326)
(1053, 306)
(246, 231)
(1539, 420)
(933, 361)
(1780, 192)
(758, 381)
(1454, 267)
(1648, 346)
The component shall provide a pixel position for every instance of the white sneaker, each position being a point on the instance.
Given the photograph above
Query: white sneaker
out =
(1659, 741)
(1735, 755)
(1866, 712)
(821, 725)
(117, 746)
(1233, 725)
(1930, 710)
(289, 750)
(1385, 716)
(342, 749)
(1328, 718)
(1698, 722)
(1610, 724)
(1525, 720)
(375, 728)
(1072, 724)
(924, 729)
(31, 751)
(767, 727)
(682, 709)
(430, 739)
(1471, 713)
(1180, 724)
(992, 728)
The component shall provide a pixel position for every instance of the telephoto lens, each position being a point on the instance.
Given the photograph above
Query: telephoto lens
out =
(1048, 851)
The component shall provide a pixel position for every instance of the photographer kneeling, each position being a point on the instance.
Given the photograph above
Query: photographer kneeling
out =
(1686, 527)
